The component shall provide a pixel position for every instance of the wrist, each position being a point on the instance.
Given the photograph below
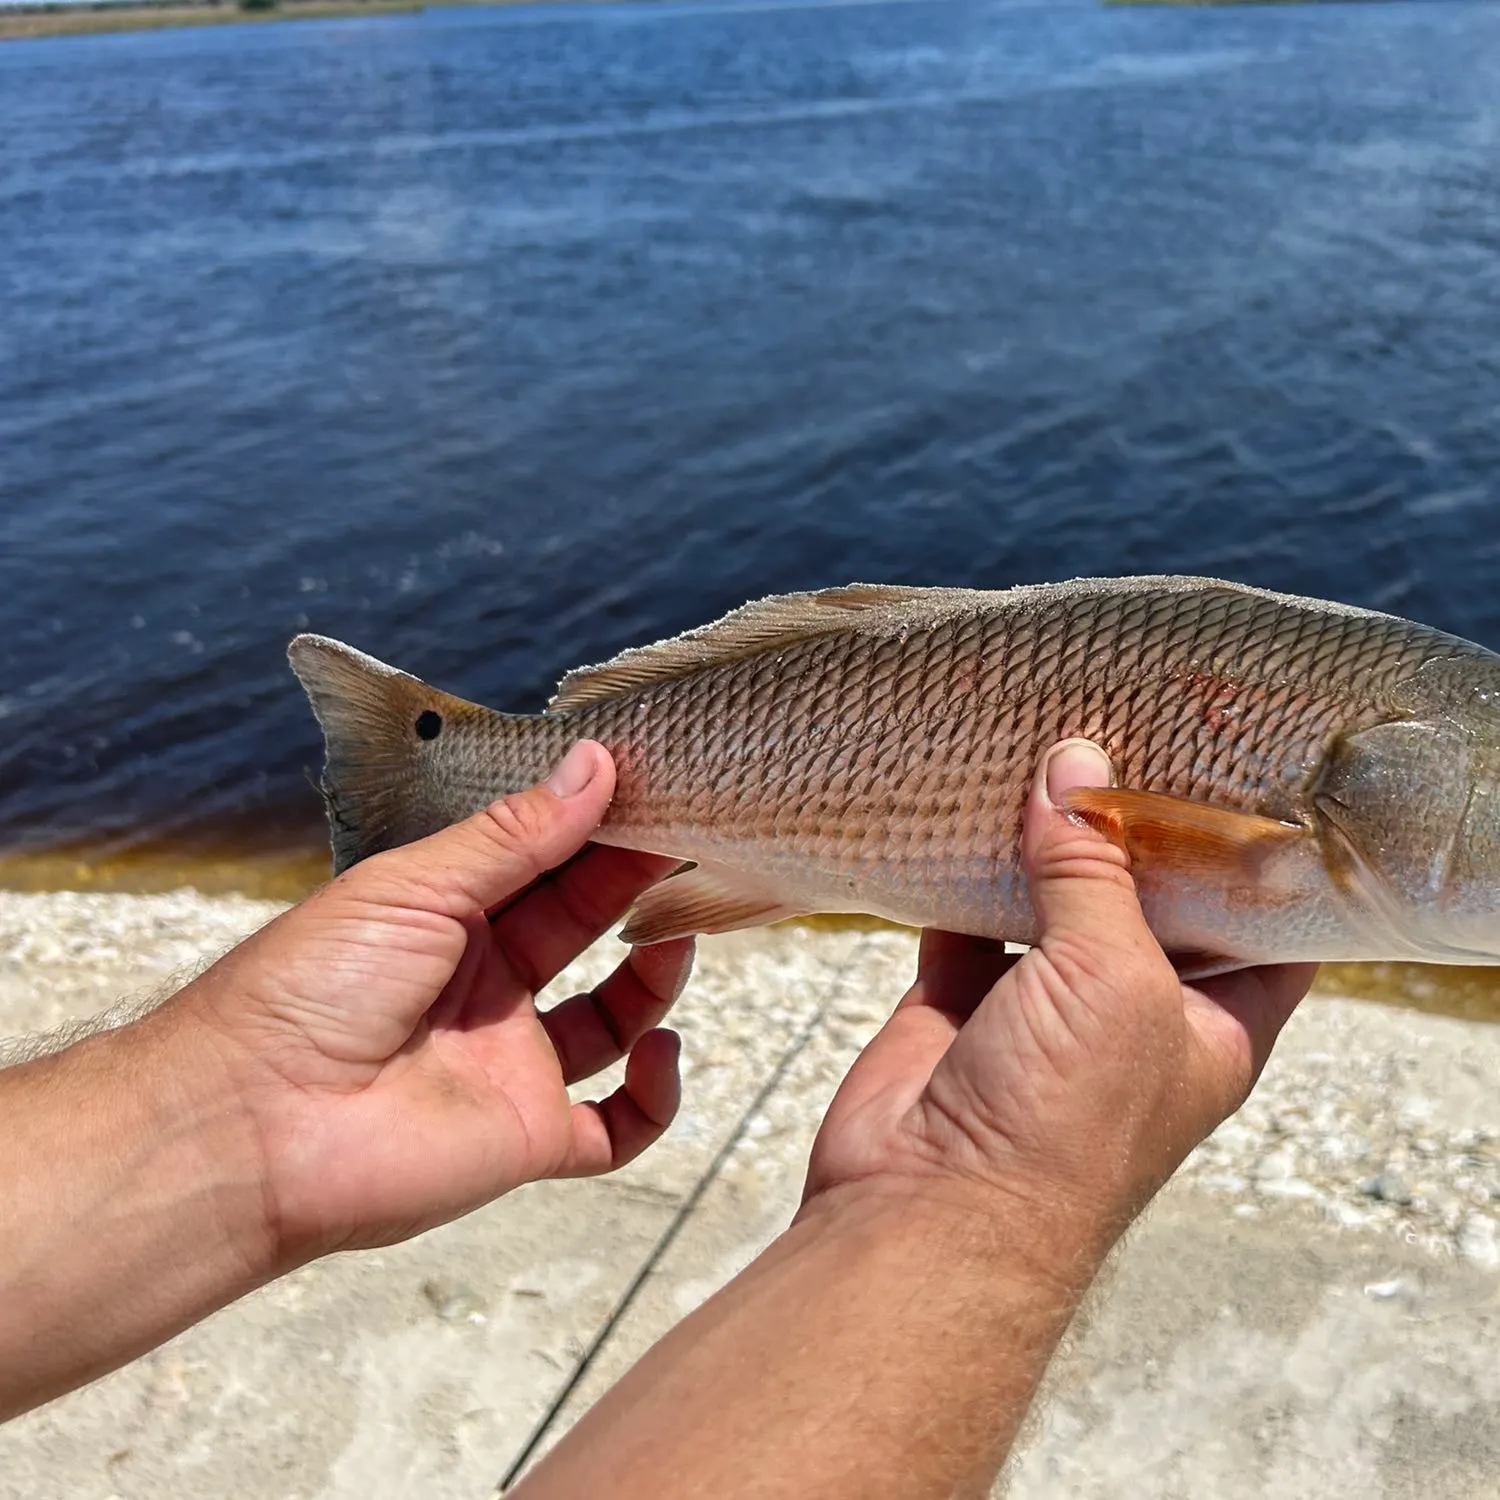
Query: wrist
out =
(202, 1109)
(1027, 1235)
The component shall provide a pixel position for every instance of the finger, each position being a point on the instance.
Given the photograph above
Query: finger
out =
(889, 1076)
(477, 864)
(954, 973)
(589, 1032)
(468, 1001)
(1093, 930)
(1236, 1018)
(553, 922)
(613, 1131)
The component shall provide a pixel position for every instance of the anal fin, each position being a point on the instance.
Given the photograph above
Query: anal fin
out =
(704, 899)
(1194, 964)
(1162, 833)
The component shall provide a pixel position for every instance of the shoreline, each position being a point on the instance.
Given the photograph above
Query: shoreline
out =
(274, 873)
(26, 25)
(23, 23)
(283, 875)
(1227, 4)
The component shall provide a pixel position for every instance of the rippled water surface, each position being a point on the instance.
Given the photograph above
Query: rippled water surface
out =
(495, 340)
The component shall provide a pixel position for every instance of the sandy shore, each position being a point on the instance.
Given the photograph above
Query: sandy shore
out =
(1310, 1310)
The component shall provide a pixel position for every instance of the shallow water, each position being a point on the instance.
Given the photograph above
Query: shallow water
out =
(495, 340)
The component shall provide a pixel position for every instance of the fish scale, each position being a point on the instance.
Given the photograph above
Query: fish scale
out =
(870, 749)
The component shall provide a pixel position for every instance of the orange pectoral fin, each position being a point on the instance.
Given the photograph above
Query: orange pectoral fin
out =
(1172, 833)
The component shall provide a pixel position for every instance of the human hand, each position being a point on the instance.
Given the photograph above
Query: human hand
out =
(382, 1038)
(1067, 1083)
(973, 1171)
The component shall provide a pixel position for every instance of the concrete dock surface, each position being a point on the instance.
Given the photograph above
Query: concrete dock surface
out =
(1311, 1309)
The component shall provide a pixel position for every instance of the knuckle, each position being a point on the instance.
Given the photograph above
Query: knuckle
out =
(376, 880)
(372, 872)
(585, 907)
(518, 825)
(1074, 853)
(1087, 967)
(614, 1038)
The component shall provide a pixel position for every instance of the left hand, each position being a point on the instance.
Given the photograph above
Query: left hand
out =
(383, 1039)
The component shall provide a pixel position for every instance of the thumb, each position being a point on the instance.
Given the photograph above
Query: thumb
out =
(1088, 915)
(485, 860)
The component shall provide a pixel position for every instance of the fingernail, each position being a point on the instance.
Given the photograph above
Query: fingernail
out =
(574, 771)
(1076, 763)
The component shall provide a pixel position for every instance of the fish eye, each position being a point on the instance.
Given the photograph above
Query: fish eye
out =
(429, 724)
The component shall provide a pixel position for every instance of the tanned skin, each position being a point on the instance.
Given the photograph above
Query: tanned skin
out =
(373, 1063)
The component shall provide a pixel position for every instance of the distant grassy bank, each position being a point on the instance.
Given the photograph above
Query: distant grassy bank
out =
(23, 22)
(1230, 2)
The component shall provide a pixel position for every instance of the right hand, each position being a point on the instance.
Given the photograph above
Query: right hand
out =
(1068, 1083)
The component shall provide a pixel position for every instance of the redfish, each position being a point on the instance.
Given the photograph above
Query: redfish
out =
(1294, 779)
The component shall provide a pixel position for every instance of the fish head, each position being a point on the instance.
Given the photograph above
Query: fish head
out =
(1408, 813)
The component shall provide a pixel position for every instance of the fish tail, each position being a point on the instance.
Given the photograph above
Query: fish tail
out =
(402, 759)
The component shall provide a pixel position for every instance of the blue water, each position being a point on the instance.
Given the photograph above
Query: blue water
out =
(495, 340)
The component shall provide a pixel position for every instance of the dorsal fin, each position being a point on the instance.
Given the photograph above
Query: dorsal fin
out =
(764, 625)
(869, 609)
